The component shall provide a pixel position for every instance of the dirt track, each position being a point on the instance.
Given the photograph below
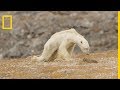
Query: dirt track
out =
(94, 66)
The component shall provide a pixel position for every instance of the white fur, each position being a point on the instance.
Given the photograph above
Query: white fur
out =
(61, 45)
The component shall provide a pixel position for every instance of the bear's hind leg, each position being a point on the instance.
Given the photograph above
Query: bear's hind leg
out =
(53, 56)
(47, 53)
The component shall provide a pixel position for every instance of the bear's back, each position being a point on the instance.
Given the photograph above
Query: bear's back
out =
(65, 33)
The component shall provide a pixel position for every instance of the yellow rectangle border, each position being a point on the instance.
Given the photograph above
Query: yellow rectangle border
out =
(118, 44)
(3, 22)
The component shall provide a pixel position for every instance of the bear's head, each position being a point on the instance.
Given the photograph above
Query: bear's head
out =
(83, 44)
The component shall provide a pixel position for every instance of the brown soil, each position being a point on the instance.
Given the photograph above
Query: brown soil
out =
(102, 65)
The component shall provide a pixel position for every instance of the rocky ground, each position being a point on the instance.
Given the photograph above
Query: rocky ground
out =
(31, 30)
(101, 65)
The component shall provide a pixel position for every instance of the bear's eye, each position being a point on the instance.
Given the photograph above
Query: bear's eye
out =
(81, 41)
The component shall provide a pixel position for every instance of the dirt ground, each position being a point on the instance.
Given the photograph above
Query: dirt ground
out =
(101, 65)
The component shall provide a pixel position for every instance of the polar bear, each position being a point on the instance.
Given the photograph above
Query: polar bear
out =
(61, 45)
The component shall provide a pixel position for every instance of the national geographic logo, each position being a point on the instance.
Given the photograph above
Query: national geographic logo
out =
(7, 22)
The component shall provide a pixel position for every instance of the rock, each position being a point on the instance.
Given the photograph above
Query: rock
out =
(1, 56)
(89, 60)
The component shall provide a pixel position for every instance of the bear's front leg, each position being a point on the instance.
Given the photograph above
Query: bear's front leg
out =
(62, 51)
(71, 48)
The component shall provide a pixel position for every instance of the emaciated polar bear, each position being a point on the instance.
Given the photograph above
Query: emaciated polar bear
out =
(61, 45)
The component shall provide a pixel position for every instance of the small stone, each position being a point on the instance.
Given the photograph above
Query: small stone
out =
(29, 36)
(89, 60)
